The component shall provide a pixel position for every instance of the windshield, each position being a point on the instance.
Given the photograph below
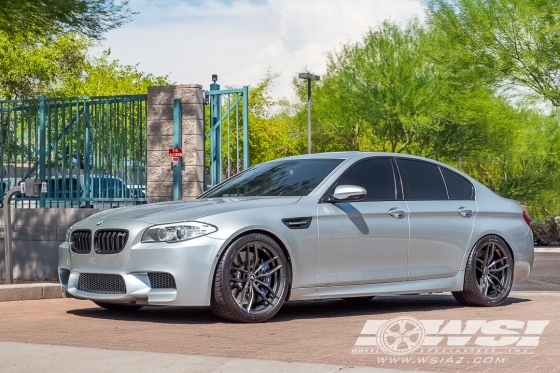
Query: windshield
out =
(297, 177)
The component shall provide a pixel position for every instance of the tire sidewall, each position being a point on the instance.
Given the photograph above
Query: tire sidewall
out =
(224, 266)
(471, 285)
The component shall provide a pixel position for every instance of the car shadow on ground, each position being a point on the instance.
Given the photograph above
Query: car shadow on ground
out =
(413, 305)
(404, 304)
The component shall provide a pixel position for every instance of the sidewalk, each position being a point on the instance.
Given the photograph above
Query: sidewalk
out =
(27, 357)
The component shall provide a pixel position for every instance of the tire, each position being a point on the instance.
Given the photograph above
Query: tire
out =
(117, 307)
(251, 281)
(488, 274)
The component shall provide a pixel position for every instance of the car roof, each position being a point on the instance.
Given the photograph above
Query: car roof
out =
(330, 155)
(354, 154)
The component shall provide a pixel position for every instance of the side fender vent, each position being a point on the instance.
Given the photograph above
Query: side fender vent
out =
(297, 223)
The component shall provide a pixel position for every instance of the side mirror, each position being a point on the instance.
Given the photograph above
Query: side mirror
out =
(348, 193)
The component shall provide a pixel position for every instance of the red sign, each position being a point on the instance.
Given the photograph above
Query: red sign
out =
(175, 152)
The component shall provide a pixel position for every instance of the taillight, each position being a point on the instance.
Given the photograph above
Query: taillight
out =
(526, 218)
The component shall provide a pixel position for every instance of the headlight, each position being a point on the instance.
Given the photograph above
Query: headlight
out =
(176, 232)
(69, 233)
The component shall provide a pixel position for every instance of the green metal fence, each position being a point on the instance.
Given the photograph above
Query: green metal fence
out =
(227, 132)
(91, 151)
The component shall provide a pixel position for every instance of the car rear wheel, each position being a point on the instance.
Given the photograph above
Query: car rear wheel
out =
(118, 307)
(488, 274)
(251, 280)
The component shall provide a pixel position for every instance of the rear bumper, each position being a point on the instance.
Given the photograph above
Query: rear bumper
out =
(523, 256)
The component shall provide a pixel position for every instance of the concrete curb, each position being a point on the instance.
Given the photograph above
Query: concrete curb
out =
(547, 249)
(10, 293)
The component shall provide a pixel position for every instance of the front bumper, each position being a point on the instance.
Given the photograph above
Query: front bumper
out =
(191, 263)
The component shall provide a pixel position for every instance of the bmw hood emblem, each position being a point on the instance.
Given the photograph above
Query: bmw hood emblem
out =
(100, 222)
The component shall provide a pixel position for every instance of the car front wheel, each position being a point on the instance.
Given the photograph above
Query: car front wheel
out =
(488, 274)
(251, 280)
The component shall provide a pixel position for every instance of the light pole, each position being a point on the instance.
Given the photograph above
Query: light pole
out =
(309, 78)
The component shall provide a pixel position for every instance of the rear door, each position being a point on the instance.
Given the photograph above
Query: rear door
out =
(442, 211)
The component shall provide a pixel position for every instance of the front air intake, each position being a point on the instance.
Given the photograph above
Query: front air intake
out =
(99, 283)
(161, 280)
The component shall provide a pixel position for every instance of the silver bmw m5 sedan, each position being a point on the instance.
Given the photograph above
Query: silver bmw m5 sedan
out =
(335, 225)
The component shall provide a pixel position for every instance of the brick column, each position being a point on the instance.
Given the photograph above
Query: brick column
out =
(160, 139)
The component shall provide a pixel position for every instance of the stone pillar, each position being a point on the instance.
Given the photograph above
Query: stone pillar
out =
(160, 139)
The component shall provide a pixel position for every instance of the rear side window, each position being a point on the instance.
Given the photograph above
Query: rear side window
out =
(457, 186)
(375, 176)
(421, 180)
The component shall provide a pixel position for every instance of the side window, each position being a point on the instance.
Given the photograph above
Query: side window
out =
(375, 176)
(421, 180)
(457, 186)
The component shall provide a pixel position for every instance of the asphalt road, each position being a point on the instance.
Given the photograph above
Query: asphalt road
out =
(545, 275)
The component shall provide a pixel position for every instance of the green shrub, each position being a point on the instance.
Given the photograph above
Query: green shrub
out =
(547, 230)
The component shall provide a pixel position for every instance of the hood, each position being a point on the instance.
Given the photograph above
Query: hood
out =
(169, 212)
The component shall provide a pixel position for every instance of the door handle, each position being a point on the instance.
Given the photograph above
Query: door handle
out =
(397, 213)
(465, 212)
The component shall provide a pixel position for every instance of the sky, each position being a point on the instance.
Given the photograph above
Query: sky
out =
(240, 40)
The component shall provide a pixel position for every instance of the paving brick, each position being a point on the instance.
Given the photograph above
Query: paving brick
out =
(319, 332)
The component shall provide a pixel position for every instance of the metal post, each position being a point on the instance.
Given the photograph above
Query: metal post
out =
(42, 144)
(215, 134)
(8, 233)
(308, 115)
(245, 128)
(87, 177)
(309, 77)
(177, 143)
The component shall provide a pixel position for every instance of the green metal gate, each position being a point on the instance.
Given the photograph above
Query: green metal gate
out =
(227, 136)
(91, 151)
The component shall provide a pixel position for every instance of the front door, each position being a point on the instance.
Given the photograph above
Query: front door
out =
(364, 242)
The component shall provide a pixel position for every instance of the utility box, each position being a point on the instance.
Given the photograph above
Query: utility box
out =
(33, 188)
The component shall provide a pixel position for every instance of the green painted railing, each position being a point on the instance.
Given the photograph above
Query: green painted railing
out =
(91, 151)
(227, 132)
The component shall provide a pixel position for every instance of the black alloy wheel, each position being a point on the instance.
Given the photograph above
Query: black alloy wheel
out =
(488, 274)
(251, 281)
